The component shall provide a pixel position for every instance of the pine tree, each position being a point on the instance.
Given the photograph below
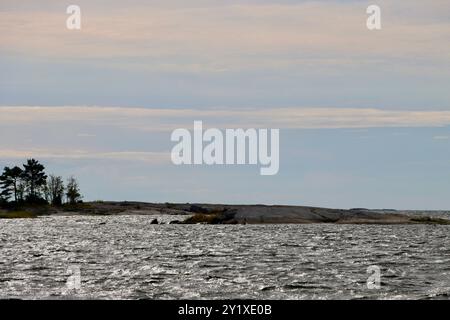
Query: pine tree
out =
(10, 182)
(34, 178)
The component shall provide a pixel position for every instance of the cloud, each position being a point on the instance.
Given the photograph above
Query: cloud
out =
(163, 120)
(86, 135)
(69, 154)
(142, 134)
(241, 35)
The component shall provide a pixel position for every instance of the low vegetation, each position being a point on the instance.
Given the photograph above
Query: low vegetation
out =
(205, 216)
(430, 220)
(17, 215)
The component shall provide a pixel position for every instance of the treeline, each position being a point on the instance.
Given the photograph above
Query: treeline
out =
(30, 184)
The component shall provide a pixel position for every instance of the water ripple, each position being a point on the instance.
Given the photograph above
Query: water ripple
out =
(127, 257)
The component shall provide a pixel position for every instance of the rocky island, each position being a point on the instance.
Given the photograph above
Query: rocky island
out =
(237, 214)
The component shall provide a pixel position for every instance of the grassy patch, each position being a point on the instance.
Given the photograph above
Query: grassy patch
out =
(430, 220)
(76, 207)
(17, 215)
(223, 216)
(202, 218)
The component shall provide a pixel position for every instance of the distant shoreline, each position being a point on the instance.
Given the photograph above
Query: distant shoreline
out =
(235, 214)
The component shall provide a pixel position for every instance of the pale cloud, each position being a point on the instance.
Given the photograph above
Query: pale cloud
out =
(162, 120)
(233, 37)
(69, 154)
(86, 135)
(441, 137)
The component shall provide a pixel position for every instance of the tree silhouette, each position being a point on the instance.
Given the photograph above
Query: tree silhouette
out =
(5, 183)
(10, 181)
(34, 178)
(55, 190)
(73, 191)
(31, 186)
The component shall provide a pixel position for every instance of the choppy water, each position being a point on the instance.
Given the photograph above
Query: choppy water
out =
(127, 257)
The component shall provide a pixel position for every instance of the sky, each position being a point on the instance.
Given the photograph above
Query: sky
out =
(364, 116)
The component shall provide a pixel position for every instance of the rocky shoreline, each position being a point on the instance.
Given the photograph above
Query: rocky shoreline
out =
(238, 214)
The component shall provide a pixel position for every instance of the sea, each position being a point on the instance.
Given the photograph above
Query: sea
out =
(128, 257)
